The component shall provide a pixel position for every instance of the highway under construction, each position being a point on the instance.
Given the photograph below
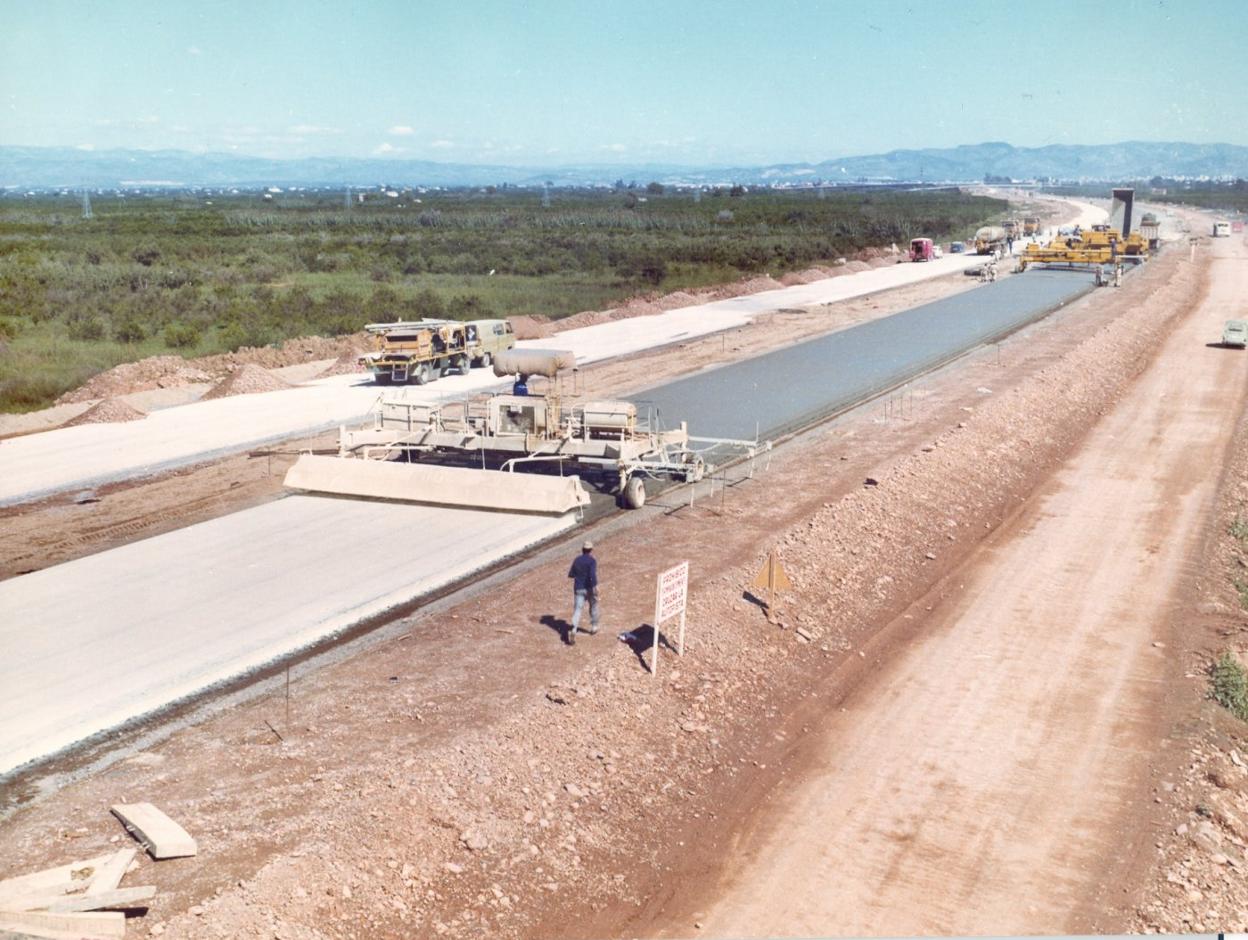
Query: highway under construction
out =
(115, 607)
(987, 629)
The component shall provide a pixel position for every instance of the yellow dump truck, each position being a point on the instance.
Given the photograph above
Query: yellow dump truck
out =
(1031, 226)
(422, 351)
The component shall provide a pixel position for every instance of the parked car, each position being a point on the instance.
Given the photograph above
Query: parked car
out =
(1235, 334)
(956, 248)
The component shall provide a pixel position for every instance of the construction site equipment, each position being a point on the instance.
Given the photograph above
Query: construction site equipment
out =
(437, 486)
(493, 338)
(1150, 230)
(922, 249)
(1221, 229)
(1100, 245)
(1013, 228)
(610, 441)
(989, 240)
(422, 351)
(1031, 226)
(1121, 205)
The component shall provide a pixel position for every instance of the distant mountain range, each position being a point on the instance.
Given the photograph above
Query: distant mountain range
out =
(53, 167)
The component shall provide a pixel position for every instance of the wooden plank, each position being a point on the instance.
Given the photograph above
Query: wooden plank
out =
(17, 900)
(160, 835)
(65, 903)
(52, 879)
(42, 933)
(108, 876)
(120, 897)
(100, 925)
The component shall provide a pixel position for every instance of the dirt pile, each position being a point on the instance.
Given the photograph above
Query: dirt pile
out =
(246, 380)
(582, 319)
(106, 411)
(534, 327)
(293, 352)
(150, 373)
(346, 364)
(175, 372)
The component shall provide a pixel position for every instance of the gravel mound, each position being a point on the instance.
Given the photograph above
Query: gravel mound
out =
(141, 376)
(346, 364)
(175, 372)
(107, 411)
(531, 327)
(247, 380)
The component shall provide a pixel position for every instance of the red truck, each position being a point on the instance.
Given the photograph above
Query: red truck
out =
(922, 249)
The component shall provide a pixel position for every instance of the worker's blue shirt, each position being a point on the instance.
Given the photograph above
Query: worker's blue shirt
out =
(584, 573)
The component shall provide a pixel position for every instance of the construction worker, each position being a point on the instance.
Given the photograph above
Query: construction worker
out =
(584, 575)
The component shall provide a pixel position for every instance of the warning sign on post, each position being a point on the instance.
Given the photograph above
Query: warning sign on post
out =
(669, 602)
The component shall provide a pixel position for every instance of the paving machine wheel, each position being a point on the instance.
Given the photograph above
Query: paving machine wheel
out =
(633, 495)
(421, 375)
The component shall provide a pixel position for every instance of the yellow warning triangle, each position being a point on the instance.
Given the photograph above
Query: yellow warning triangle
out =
(772, 577)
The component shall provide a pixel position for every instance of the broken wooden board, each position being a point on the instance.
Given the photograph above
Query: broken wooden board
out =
(58, 880)
(108, 876)
(119, 897)
(156, 832)
(66, 903)
(99, 925)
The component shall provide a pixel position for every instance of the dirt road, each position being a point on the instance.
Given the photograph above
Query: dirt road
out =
(980, 782)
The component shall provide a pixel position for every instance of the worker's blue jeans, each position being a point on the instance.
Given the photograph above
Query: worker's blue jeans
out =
(578, 604)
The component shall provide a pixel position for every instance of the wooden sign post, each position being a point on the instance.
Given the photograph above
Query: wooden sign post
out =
(773, 578)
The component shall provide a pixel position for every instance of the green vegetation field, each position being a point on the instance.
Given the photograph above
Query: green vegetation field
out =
(193, 274)
(1228, 197)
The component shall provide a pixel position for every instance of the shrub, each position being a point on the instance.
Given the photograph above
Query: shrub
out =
(146, 256)
(1239, 531)
(86, 329)
(1230, 685)
(181, 335)
(129, 331)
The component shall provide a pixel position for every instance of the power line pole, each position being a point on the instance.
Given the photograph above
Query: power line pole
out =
(86, 205)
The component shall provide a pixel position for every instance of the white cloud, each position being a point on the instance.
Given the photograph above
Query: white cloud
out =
(401, 130)
(385, 148)
(194, 50)
(304, 129)
(85, 147)
(442, 144)
(147, 119)
(614, 148)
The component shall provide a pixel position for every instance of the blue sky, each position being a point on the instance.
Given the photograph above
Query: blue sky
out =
(558, 81)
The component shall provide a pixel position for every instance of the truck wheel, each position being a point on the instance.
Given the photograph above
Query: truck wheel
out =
(485, 360)
(462, 365)
(634, 495)
(421, 375)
